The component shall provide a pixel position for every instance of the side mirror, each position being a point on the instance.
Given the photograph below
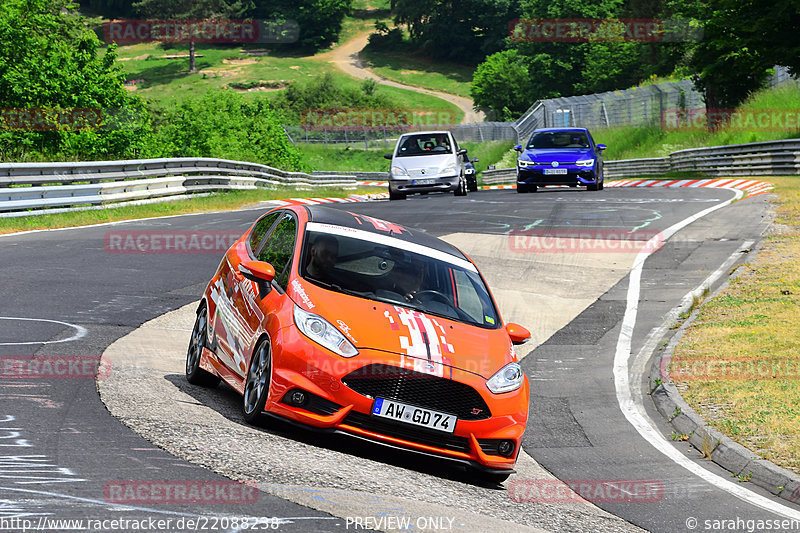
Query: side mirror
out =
(387, 156)
(474, 159)
(601, 146)
(260, 272)
(517, 333)
(518, 148)
(462, 151)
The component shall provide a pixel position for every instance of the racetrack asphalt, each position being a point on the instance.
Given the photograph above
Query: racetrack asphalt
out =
(576, 429)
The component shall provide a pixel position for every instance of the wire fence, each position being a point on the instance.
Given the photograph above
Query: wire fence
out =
(647, 105)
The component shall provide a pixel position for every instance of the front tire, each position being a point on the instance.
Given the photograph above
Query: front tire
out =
(194, 374)
(461, 190)
(256, 386)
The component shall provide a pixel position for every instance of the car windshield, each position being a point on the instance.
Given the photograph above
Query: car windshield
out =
(424, 144)
(408, 275)
(558, 140)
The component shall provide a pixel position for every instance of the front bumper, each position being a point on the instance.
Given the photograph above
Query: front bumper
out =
(575, 176)
(333, 406)
(413, 185)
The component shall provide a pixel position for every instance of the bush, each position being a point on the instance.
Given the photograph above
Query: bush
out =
(223, 124)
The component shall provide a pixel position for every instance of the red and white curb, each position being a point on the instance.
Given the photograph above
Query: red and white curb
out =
(314, 201)
(750, 187)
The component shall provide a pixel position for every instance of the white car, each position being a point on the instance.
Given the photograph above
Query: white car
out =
(426, 161)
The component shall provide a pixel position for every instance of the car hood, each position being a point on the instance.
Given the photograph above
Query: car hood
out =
(424, 161)
(430, 343)
(558, 155)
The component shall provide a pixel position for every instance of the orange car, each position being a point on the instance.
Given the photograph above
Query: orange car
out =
(344, 322)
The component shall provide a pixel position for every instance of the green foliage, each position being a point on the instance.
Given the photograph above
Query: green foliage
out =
(49, 61)
(320, 21)
(385, 38)
(323, 92)
(465, 31)
(502, 84)
(224, 124)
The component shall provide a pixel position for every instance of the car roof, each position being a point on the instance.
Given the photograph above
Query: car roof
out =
(559, 129)
(426, 132)
(339, 217)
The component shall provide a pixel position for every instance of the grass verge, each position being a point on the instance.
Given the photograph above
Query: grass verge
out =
(214, 202)
(738, 364)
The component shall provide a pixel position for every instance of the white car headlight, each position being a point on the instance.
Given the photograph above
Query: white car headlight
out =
(399, 171)
(585, 163)
(507, 379)
(450, 169)
(322, 332)
(522, 163)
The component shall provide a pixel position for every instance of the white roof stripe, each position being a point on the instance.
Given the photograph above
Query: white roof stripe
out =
(391, 241)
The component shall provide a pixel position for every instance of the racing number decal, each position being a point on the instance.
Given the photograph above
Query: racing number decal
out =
(426, 343)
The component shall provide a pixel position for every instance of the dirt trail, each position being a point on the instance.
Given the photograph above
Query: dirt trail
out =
(345, 56)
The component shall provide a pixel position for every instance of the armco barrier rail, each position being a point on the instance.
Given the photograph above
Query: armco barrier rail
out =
(769, 158)
(26, 186)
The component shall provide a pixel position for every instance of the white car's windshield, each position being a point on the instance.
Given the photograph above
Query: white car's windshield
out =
(424, 144)
(398, 275)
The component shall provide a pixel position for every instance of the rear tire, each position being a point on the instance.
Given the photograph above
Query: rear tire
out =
(194, 374)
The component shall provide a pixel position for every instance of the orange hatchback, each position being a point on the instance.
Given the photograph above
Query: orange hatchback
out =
(343, 322)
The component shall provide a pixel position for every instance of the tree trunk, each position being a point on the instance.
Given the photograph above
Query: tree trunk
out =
(192, 66)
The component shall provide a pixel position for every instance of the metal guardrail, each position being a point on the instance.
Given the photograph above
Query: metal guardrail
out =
(768, 158)
(26, 186)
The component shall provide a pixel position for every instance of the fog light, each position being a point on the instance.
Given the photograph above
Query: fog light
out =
(505, 448)
(298, 397)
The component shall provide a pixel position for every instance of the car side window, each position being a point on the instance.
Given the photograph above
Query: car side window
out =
(279, 249)
(261, 230)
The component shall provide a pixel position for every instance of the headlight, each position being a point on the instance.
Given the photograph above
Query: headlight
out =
(469, 171)
(448, 170)
(585, 163)
(399, 171)
(322, 332)
(522, 163)
(507, 379)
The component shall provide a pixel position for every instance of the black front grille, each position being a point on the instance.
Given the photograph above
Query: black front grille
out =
(407, 432)
(418, 389)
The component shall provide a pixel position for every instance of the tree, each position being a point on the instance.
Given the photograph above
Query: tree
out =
(465, 31)
(320, 21)
(502, 84)
(50, 67)
(191, 10)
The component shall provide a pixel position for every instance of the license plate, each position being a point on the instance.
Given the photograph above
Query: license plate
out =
(414, 415)
(428, 181)
(551, 171)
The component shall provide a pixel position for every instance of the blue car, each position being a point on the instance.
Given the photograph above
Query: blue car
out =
(560, 156)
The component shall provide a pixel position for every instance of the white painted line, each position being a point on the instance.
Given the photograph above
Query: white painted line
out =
(633, 408)
(80, 331)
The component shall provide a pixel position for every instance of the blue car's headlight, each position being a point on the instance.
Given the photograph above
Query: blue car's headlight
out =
(585, 163)
(321, 331)
(507, 379)
(523, 164)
